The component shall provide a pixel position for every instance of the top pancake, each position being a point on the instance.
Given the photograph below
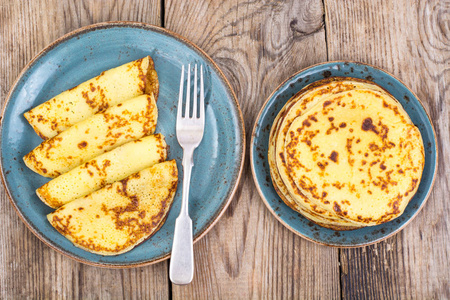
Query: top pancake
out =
(297, 105)
(96, 95)
(317, 154)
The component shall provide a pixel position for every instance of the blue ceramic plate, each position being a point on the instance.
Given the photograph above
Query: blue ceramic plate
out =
(87, 52)
(296, 222)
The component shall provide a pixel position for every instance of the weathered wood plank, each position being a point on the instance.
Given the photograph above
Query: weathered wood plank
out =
(28, 268)
(412, 40)
(249, 254)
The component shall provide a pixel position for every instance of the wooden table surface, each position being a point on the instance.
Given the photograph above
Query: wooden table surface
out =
(258, 44)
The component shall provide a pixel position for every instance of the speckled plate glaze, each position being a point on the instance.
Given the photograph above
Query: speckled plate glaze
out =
(87, 52)
(260, 140)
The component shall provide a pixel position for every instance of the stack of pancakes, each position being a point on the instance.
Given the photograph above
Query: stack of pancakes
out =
(345, 154)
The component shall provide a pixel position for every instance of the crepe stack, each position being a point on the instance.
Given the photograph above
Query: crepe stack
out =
(345, 154)
(111, 187)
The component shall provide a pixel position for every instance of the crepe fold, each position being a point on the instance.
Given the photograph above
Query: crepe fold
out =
(95, 95)
(118, 217)
(104, 169)
(102, 132)
(345, 154)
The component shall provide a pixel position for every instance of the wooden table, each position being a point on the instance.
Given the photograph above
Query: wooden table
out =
(258, 44)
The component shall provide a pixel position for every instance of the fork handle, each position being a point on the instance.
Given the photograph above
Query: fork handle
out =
(188, 163)
(181, 270)
(182, 261)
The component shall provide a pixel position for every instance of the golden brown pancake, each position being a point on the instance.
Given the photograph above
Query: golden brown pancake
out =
(328, 188)
(297, 105)
(100, 133)
(118, 217)
(104, 169)
(95, 95)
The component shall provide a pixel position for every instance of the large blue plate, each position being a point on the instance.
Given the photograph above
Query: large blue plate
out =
(260, 140)
(87, 52)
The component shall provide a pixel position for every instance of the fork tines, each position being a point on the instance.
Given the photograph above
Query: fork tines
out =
(196, 114)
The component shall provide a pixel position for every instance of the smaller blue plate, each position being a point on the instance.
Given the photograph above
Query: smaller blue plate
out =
(295, 221)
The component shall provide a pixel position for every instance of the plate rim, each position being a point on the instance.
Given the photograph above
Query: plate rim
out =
(258, 186)
(153, 28)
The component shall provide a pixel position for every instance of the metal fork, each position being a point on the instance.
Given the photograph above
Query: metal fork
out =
(189, 135)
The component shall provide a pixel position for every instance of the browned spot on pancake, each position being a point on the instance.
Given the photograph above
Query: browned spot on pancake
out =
(326, 202)
(62, 224)
(334, 156)
(374, 162)
(324, 194)
(282, 158)
(322, 166)
(400, 171)
(342, 125)
(306, 123)
(384, 130)
(326, 103)
(82, 145)
(41, 135)
(351, 129)
(80, 208)
(413, 185)
(330, 119)
(338, 185)
(373, 147)
(366, 154)
(349, 146)
(332, 127)
(336, 207)
(368, 125)
(382, 166)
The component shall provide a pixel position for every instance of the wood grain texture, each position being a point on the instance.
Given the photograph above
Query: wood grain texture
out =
(249, 254)
(258, 44)
(28, 268)
(410, 39)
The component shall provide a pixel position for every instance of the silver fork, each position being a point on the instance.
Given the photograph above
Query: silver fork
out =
(189, 135)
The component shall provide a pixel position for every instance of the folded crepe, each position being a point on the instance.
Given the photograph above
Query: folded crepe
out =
(100, 133)
(118, 217)
(104, 169)
(95, 95)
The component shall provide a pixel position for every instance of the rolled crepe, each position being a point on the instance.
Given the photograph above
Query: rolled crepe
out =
(118, 217)
(104, 169)
(100, 133)
(95, 95)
